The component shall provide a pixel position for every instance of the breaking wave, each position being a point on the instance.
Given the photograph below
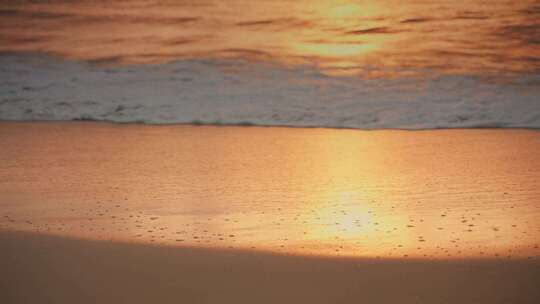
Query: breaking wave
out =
(36, 87)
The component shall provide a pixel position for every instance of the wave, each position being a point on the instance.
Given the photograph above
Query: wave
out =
(235, 92)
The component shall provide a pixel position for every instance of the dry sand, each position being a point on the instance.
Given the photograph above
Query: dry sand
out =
(47, 269)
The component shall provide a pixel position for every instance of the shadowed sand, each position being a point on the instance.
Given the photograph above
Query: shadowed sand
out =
(47, 269)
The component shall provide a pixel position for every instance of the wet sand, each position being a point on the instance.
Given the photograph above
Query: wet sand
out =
(48, 269)
(424, 194)
(107, 213)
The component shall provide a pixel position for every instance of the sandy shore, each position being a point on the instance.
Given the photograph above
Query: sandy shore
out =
(445, 194)
(160, 195)
(46, 269)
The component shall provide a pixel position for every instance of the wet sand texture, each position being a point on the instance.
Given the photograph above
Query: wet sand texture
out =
(447, 194)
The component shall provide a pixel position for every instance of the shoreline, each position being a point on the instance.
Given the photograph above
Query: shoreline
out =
(198, 92)
(254, 125)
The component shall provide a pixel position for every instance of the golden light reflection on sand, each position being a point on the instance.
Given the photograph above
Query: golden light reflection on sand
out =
(430, 194)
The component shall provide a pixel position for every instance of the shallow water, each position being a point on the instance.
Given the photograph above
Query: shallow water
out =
(374, 38)
(435, 194)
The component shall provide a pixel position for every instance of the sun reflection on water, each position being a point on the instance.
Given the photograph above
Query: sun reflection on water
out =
(340, 37)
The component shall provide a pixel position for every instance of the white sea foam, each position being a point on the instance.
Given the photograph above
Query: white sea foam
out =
(233, 92)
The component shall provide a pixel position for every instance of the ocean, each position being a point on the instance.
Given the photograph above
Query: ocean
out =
(339, 64)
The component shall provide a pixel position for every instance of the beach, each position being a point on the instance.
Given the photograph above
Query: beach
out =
(444, 194)
(118, 213)
(48, 269)
(307, 151)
